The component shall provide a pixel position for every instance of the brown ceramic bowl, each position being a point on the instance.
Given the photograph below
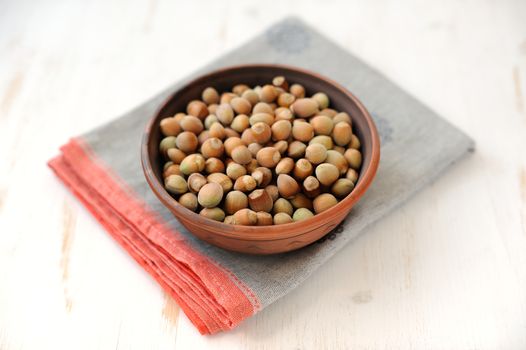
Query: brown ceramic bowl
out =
(262, 239)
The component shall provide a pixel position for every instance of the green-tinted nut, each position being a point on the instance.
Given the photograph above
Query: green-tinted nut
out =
(301, 201)
(342, 117)
(342, 187)
(285, 166)
(355, 142)
(323, 202)
(194, 163)
(263, 218)
(296, 149)
(321, 99)
(223, 180)
(297, 90)
(281, 205)
(235, 170)
(352, 175)
(240, 123)
(189, 201)
(266, 118)
(302, 214)
(302, 131)
(225, 113)
(170, 127)
(216, 214)
(240, 105)
(197, 109)
(342, 133)
(316, 153)
(354, 158)
(210, 195)
(338, 160)
(305, 107)
(187, 142)
(167, 143)
(282, 218)
(195, 182)
(211, 119)
(322, 125)
(192, 124)
(327, 173)
(251, 96)
(210, 95)
(324, 140)
(234, 201)
(262, 107)
(245, 217)
(175, 184)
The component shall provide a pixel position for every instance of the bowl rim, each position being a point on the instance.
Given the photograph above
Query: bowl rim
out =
(269, 232)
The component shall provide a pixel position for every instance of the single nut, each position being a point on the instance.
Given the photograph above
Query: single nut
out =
(322, 125)
(285, 166)
(286, 99)
(305, 107)
(240, 105)
(203, 136)
(229, 219)
(192, 124)
(263, 176)
(329, 112)
(229, 132)
(234, 201)
(282, 218)
(187, 142)
(235, 170)
(355, 142)
(221, 179)
(342, 187)
(254, 148)
(268, 157)
(241, 155)
(167, 143)
(251, 166)
(261, 132)
(170, 127)
(281, 146)
(175, 184)
(210, 195)
(321, 99)
(245, 217)
(251, 96)
(311, 186)
(302, 131)
(210, 95)
(266, 118)
(248, 137)
(280, 82)
(240, 123)
(354, 158)
(195, 182)
(302, 169)
(245, 183)
(217, 130)
(297, 90)
(240, 88)
(268, 93)
(260, 200)
(327, 173)
(281, 130)
(213, 147)
(226, 97)
(296, 149)
(172, 170)
(302, 214)
(214, 165)
(301, 201)
(342, 117)
(194, 163)
(263, 218)
(225, 113)
(337, 159)
(216, 214)
(281, 205)
(316, 153)
(189, 201)
(287, 186)
(262, 107)
(273, 192)
(197, 109)
(342, 133)
(179, 116)
(283, 113)
(232, 143)
(211, 119)
(352, 175)
(323, 202)
(176, 155)
(323, 140)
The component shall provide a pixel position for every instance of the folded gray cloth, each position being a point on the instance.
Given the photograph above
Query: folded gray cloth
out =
(216, 288)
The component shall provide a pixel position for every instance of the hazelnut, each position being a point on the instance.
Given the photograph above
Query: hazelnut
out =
(305, 107)
(297, 90)
(302, 169)
(283, 113)
(210, 195)
(197, 109)
(321, 99)
(260, 200)
(280, 82)
(240, 123)
(311, 186)
(234, 201)
(245, 183)
(195, 182)
(322, 125)
(172, 170)
(211, 119)
(194, 163)
(263, 218)
(217, 130)
(323, 202)
(240, 105)
(355, 142)
(323, 140)
(221, 179)
(216, 214)
(262, 175)
(287, 186)
(316, 153)
(254, 148)
(342, 133)
(187, 142)
(251, 166)
(167, 143)
(170, 127)
(302, 131)
(337, 159)
(262, 107)
(175, 184)
(247, 136)
(189, 201)
(281, 146)
(232, 143)
(214, 165)
(235, 170)
(192, 124)
(342, 117)
(268, 157)
(226, 97)
(327, 173)
(301, 201)
(342, 187)
(296, 149)
(286, 99)
(210, 96)
(251, 96)
(225, 113)
(329, 112)
(282, 218)
(285, 166)
(245, 217)
(272, 191)
(352, 175)
(268, 93)
(354, 158)
(176, 155)
(281, 130)
(281, 205)
(261, 132)
(241, 155)
(302, 214)
(266, 118)
(240, 88)
(213, 147)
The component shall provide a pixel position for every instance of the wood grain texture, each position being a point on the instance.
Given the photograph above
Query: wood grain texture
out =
(446, 271)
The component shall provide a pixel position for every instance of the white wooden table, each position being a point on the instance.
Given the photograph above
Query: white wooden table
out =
(446, 271)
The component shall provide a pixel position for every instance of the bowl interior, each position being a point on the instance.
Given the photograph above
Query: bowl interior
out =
(252, 75)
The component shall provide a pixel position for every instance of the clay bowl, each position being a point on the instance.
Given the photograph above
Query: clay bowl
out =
(262, 239)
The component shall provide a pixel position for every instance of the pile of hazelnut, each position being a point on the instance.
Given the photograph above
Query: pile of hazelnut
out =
(260, 156)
